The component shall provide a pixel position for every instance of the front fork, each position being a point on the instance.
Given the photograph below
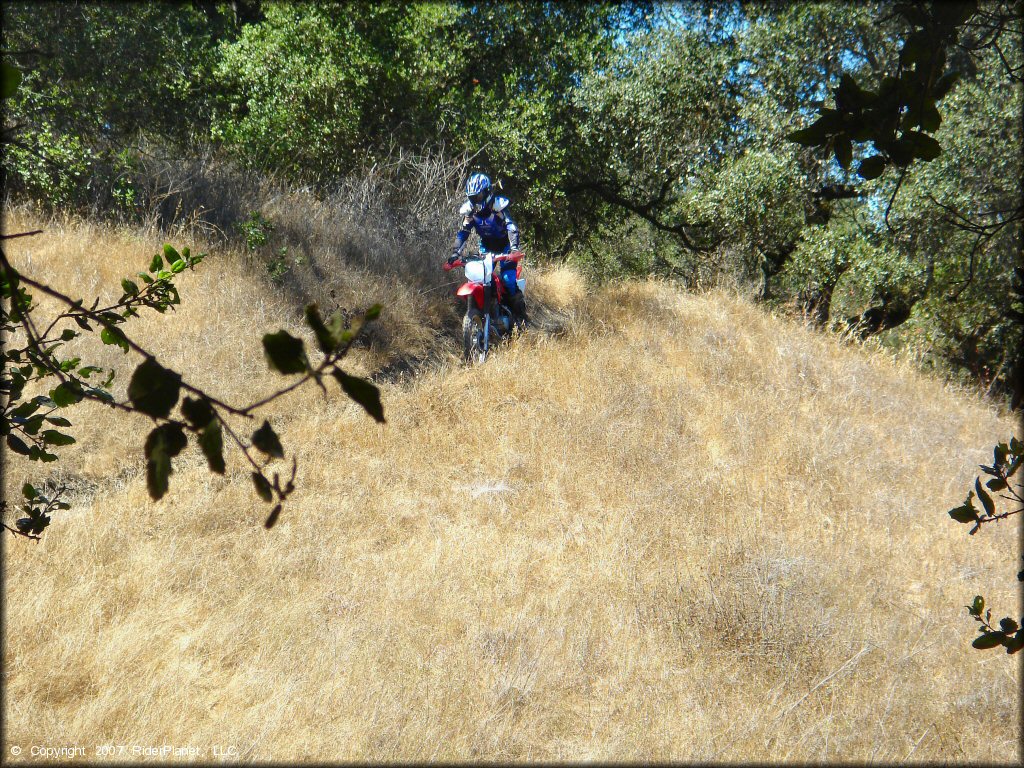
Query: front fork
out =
(489, 303)
(489, 300)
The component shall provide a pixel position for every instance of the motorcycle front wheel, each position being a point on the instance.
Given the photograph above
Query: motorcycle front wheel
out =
(473, 348)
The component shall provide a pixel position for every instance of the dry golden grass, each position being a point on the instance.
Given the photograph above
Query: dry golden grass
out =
(682, 529)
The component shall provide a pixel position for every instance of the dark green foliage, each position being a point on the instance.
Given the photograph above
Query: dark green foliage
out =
(94, 75)
(1009, 635)
(1006, 461)
(890, 116)
(266, 440)
(211, 442)
(285, 353)
(163, 443)
(262, 486)
(111, 335)
(362, 391)
(272, 517)
(154, 389)
(256, 230)
(10, 77)
(40, 503)
(328, 336)
(66, 393)
(198, 411)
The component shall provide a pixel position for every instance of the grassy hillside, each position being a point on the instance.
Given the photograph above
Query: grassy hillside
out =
(677, 528)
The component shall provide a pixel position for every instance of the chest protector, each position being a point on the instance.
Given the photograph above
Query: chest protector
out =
(489, 225)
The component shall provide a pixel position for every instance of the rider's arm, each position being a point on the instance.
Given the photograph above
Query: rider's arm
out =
(513, 231)
(463, 234)
(460, 240)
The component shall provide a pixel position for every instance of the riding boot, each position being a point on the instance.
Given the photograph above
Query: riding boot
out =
(517, 303)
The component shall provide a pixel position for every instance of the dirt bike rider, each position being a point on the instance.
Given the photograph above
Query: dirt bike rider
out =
(487, 213)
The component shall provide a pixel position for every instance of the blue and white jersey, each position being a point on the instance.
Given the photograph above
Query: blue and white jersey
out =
(497, 231)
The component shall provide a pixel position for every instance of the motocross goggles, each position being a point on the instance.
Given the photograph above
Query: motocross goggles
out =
(479, 198)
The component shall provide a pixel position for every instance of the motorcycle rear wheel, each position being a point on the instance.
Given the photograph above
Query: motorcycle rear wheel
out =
(473, 349)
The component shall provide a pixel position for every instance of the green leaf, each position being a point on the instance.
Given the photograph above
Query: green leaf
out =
(285, 353)
(267, 441)
(999, 454)
(129, 287)
(53, 437)
(924, 146)
(915, 48)
(9, 80)
(964, 514)
(163, 443)
(930, 117)
(156, 264)
(989, 640)
(29, 491)
(68, 335)
(844, 151)
(996, 484)
(871, 167)
(66, 393)
(211, 441)
(38, 454)
(901, 152)
(26, 409)
(170, 254)
(198, 412)
(324, 339)
(362, 391)
(272, 517)
(986, 500)
(58, 421)
(811, 136)
(112, 335)
(154, 389)
(1016, 642)
(1008, 625)
(1014, 465)
(178, 266)
(262, 487)
(849, 95)
(372, 313)
(978, 605)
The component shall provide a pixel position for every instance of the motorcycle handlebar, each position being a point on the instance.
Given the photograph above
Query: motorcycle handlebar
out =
(514, 257)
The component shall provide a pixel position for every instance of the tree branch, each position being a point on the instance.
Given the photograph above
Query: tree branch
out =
(22, 234)
(644, 211)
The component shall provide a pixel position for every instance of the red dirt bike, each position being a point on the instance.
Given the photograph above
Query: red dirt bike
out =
(489, 316)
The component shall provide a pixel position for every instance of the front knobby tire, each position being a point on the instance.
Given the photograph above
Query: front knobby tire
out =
(473, 350)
